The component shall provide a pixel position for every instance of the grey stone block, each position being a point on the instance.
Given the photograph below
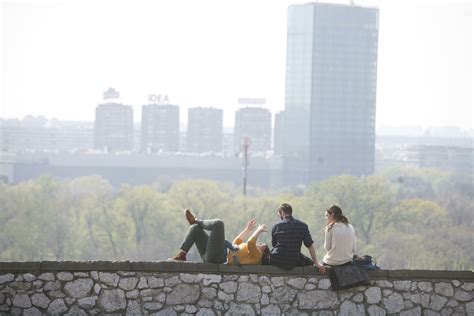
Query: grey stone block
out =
(373, 295)
(33, 311)
(444, 288)
(297, 283)
(112, 300)
(109, 279)
(128, 284)
(64, 276)
(79, 288)
(40, 300)
(22, 300)
(317, 299)
(248, 293)
(183, 294)
(5, 278)
(57, 307)
(393, 303)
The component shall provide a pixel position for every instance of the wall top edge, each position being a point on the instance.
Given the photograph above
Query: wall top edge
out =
(194, 267)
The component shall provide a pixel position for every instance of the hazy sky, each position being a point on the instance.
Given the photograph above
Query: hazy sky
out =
(59, 56)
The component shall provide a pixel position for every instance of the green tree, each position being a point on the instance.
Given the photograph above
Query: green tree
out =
(138, 203)
(366, 201)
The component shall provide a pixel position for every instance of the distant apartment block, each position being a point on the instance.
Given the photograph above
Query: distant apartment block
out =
(228, 142)
(458, 160)
(113, 129)
(331, 76)
(205, 130)
(160, 128)
(43, 135)
(137, 169)
(254, 124)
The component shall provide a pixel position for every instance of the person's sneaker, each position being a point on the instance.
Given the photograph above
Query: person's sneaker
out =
(190, 217)
(180, 256)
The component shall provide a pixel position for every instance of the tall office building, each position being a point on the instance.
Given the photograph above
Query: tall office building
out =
(205, 130)
(113, 129)
(254, 124)
(278, 133)
(160, 128)
(331, 73)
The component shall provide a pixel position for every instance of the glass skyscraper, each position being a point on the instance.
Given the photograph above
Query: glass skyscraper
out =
(331, 74)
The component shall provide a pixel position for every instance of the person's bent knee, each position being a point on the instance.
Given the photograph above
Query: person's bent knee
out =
(194, 227)
(219, 223)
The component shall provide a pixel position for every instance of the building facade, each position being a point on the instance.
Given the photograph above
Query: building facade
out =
(205, 130)
(160, 128)
(459, 160)
(278, 133)
(113, 128)
(255, 125)
(51, 135)
(331, 73)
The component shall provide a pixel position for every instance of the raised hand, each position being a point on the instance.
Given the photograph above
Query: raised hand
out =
(262, 227)
(251, 224)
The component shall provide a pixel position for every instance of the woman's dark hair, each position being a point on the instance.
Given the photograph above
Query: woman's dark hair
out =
(336, 211)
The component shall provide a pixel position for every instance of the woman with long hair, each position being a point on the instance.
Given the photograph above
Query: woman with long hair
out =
(339, 238)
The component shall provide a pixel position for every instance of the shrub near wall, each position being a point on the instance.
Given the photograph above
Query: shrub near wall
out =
(169, 288)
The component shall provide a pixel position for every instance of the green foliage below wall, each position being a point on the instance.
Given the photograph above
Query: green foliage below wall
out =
(406, 218)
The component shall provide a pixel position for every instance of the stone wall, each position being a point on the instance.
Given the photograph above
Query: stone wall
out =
(172, 288)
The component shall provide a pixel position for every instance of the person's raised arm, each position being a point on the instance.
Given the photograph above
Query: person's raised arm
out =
(261, 228)
(244, 234)
(308, 242)
(252, 241)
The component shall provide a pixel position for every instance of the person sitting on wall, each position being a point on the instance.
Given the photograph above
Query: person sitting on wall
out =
(288, 235)
(339, 238)
(340, 244)
(213, 248)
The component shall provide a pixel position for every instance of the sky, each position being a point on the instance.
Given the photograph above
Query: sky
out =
(59, 56)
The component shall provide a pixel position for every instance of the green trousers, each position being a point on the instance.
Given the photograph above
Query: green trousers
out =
(210, 247)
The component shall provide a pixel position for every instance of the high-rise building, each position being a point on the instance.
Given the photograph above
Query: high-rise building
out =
(331, 73)
(278, 133)
(254, 124)
(205, 130)
(113, 129)
(160, 128)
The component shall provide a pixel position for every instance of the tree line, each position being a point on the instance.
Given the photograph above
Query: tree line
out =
(406, 218)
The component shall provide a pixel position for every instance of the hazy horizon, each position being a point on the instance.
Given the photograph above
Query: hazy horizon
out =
(59, 56)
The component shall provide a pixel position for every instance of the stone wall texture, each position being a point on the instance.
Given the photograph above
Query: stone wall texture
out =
(168, 288)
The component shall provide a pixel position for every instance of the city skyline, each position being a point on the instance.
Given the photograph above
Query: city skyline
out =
(50, 58)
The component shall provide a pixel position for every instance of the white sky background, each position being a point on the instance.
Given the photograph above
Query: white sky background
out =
(59, 56)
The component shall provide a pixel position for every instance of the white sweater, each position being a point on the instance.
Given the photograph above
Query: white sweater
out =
(340, 244)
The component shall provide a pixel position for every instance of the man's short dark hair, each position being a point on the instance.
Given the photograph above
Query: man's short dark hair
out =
(285, 208)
